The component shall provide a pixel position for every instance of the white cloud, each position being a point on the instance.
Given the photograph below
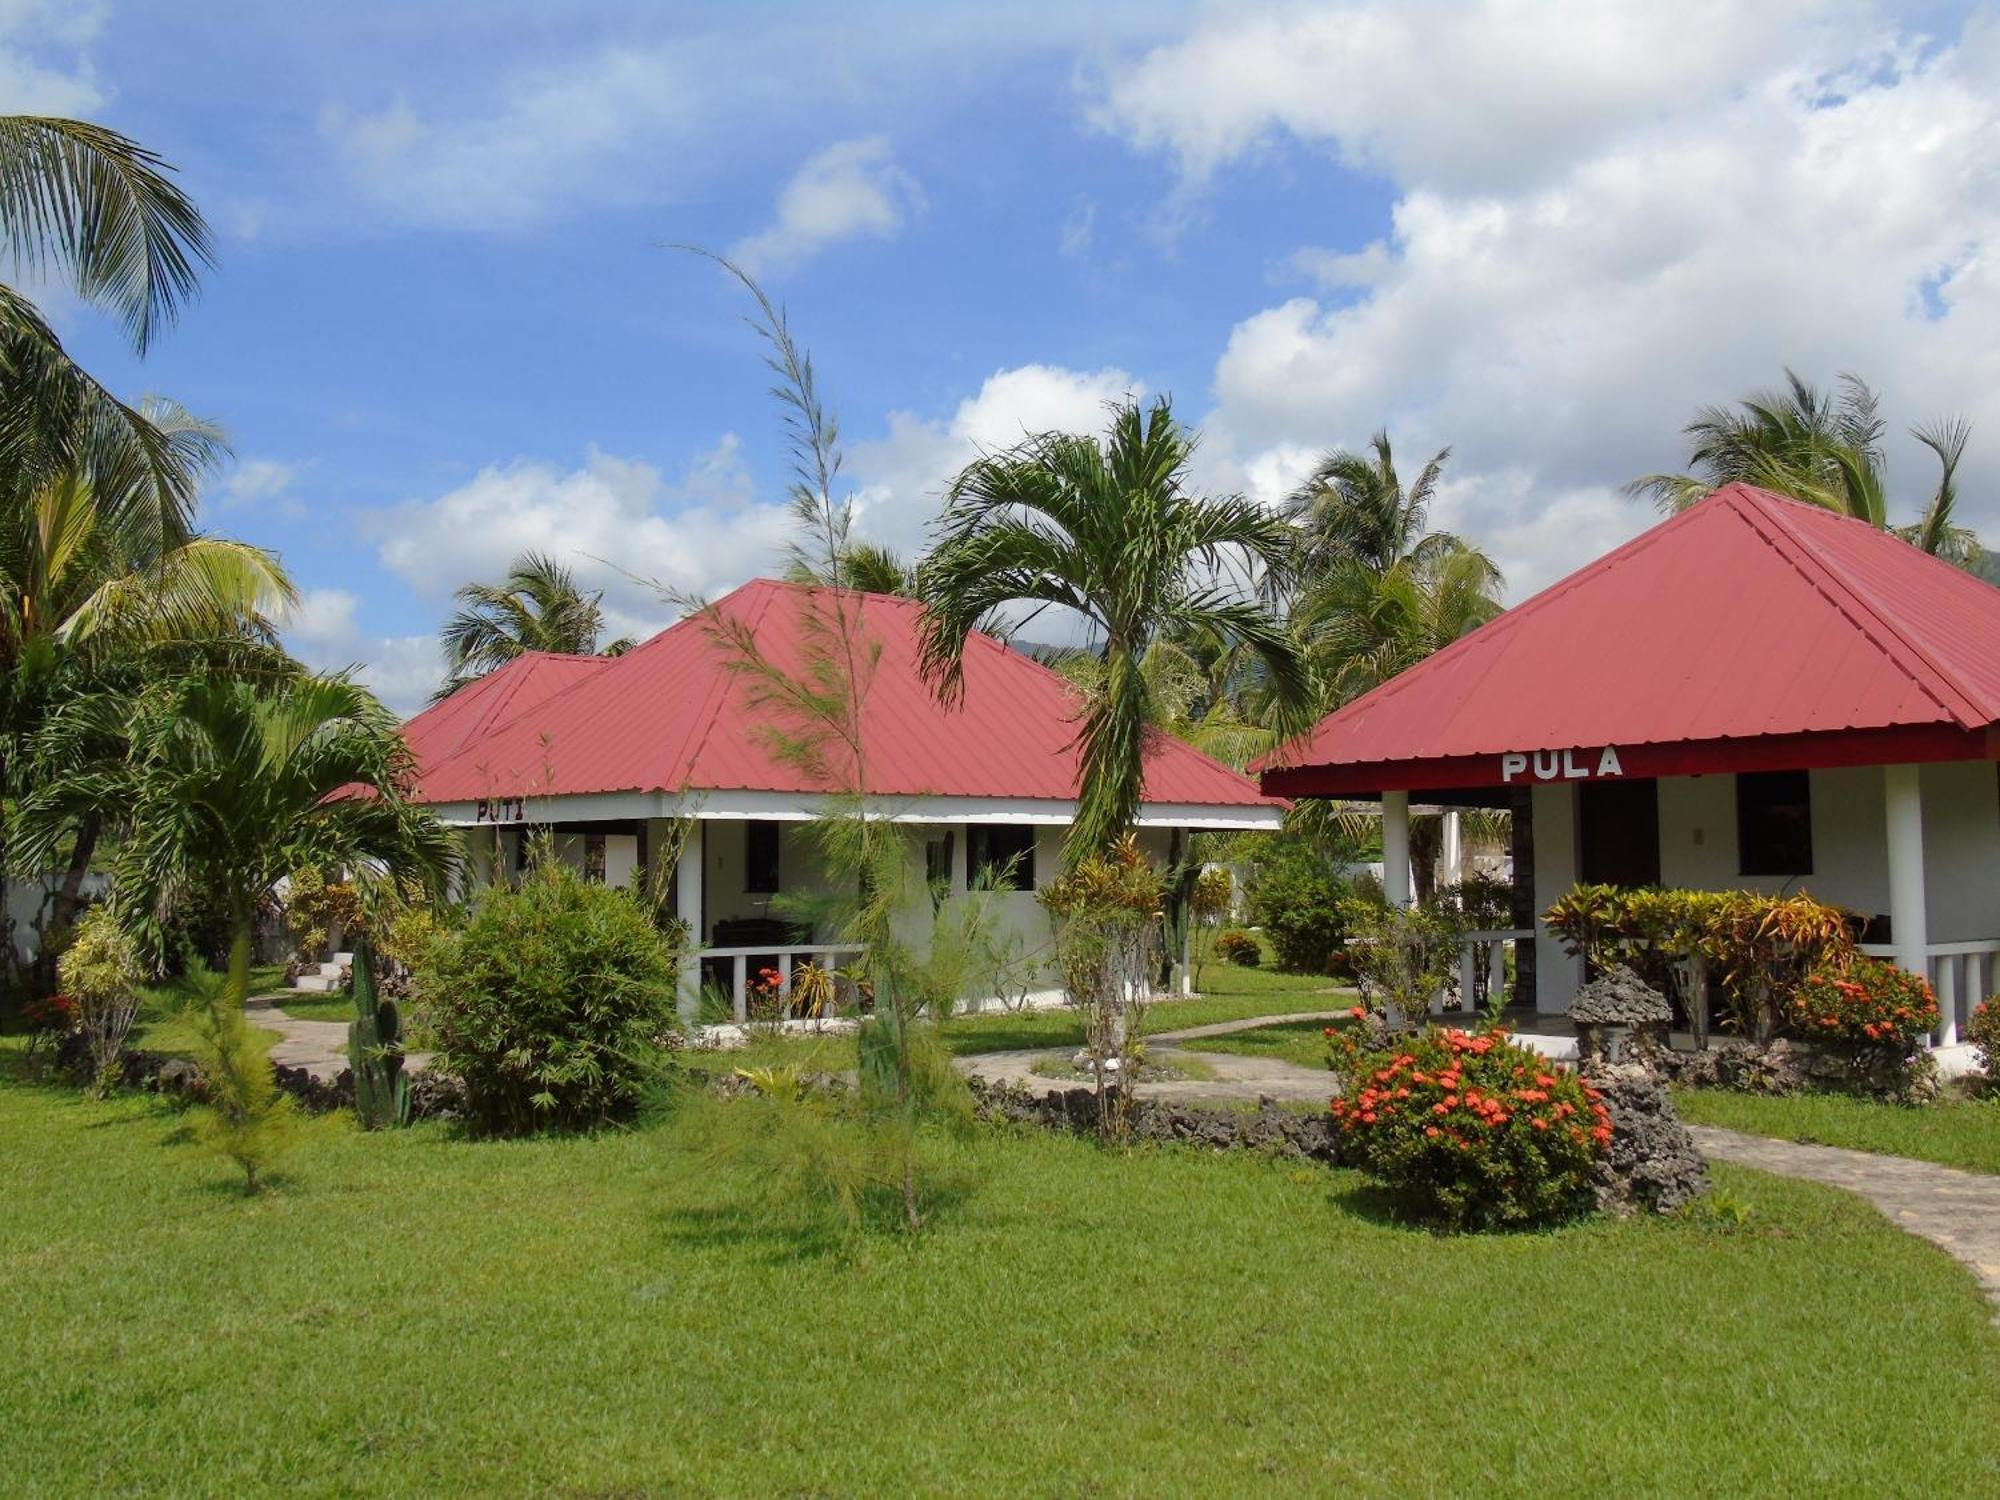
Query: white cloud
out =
(1591, 239)
(1079, 229)
(43, 66)
(322, 621)
(904, 474)
(587, 131)
(259, 481)
(851, 190)
(325, 633)
(1465, 96)
(616, 521)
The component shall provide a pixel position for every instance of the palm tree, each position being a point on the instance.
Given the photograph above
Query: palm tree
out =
(1111, 531)
(867, 566)
(85, 597)
(1362, 627)
(1824, 450)
(1373, 589)
(1354, 508)
(232, 782)
(89, 204)
(537, 607)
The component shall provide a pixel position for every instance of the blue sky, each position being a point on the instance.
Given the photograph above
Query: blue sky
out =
(442, 327)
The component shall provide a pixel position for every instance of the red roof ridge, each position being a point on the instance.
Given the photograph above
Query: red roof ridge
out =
(1933, 679)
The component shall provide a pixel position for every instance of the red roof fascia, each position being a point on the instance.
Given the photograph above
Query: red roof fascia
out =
(1906, 745)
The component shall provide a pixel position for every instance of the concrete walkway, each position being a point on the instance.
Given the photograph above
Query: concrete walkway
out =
(320, 1047)
(1957, 1211)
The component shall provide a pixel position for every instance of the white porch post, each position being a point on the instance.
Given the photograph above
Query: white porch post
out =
(1451, 854)
(1396, 848)
(1908, 922)
(687, 906)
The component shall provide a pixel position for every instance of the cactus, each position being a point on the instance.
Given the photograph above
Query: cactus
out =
(375, 1049)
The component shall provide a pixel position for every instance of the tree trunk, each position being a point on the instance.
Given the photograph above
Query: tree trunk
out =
(69, 896)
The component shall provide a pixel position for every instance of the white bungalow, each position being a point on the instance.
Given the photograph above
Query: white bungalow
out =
(606, 753)
(1757, 694)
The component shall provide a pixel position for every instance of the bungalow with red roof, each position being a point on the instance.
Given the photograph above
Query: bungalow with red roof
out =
(606, 753)
(1755, 694)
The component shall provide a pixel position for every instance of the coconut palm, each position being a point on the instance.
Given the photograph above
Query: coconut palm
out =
(1361, 627)
(88, 205)
(1373, 589)
(1823, 449)
(1355, 508)
(536, 607)
(1110, 530)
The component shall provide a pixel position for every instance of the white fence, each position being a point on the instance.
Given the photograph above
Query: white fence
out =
(1962, 974)
(826, 955)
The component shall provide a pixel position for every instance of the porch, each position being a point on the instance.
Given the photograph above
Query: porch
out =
(756, 896)
(1913, 850)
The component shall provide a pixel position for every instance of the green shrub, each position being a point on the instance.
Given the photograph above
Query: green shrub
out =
(1982, 1029)
(1865, 1003)
(99, 973)
(1239, 947)
(551, 1004)
(1472, 1130)
(1296, 898)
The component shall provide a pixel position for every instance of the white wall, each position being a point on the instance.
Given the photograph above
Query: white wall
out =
(1698, 851)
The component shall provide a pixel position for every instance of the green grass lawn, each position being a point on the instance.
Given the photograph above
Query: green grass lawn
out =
(163, 1027)
(1300, 1042)
(409, 1313)
(1229, 993)
(1955, 1132)
(328, 1007)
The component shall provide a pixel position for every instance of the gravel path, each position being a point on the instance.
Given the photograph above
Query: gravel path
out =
(1957, 1211)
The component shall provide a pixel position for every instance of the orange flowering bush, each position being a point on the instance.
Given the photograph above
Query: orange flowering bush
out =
(1864, 1003)
(1476, 1131)
(1982, 1029)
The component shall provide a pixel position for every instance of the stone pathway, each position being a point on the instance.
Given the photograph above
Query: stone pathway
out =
(1957, 1211)
(320, 1047)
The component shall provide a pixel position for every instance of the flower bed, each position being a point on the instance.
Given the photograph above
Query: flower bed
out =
(1475, 1131)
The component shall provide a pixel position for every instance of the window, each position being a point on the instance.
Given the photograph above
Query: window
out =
(1774, 823)
(593, 858)
(760, 858)
(1006, 850)
(937, 861)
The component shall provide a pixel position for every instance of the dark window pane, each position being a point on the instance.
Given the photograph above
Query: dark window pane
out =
(1005, 850)
(760, 858)
(937, 860)
(1774, 823)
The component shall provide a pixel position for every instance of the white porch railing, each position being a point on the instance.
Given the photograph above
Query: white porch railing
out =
(1962, 974)
(1483, 955)
(826, 955)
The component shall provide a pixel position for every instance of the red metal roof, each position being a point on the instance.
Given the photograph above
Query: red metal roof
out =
(671, 714)
(449, 726)
(1750, 629)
